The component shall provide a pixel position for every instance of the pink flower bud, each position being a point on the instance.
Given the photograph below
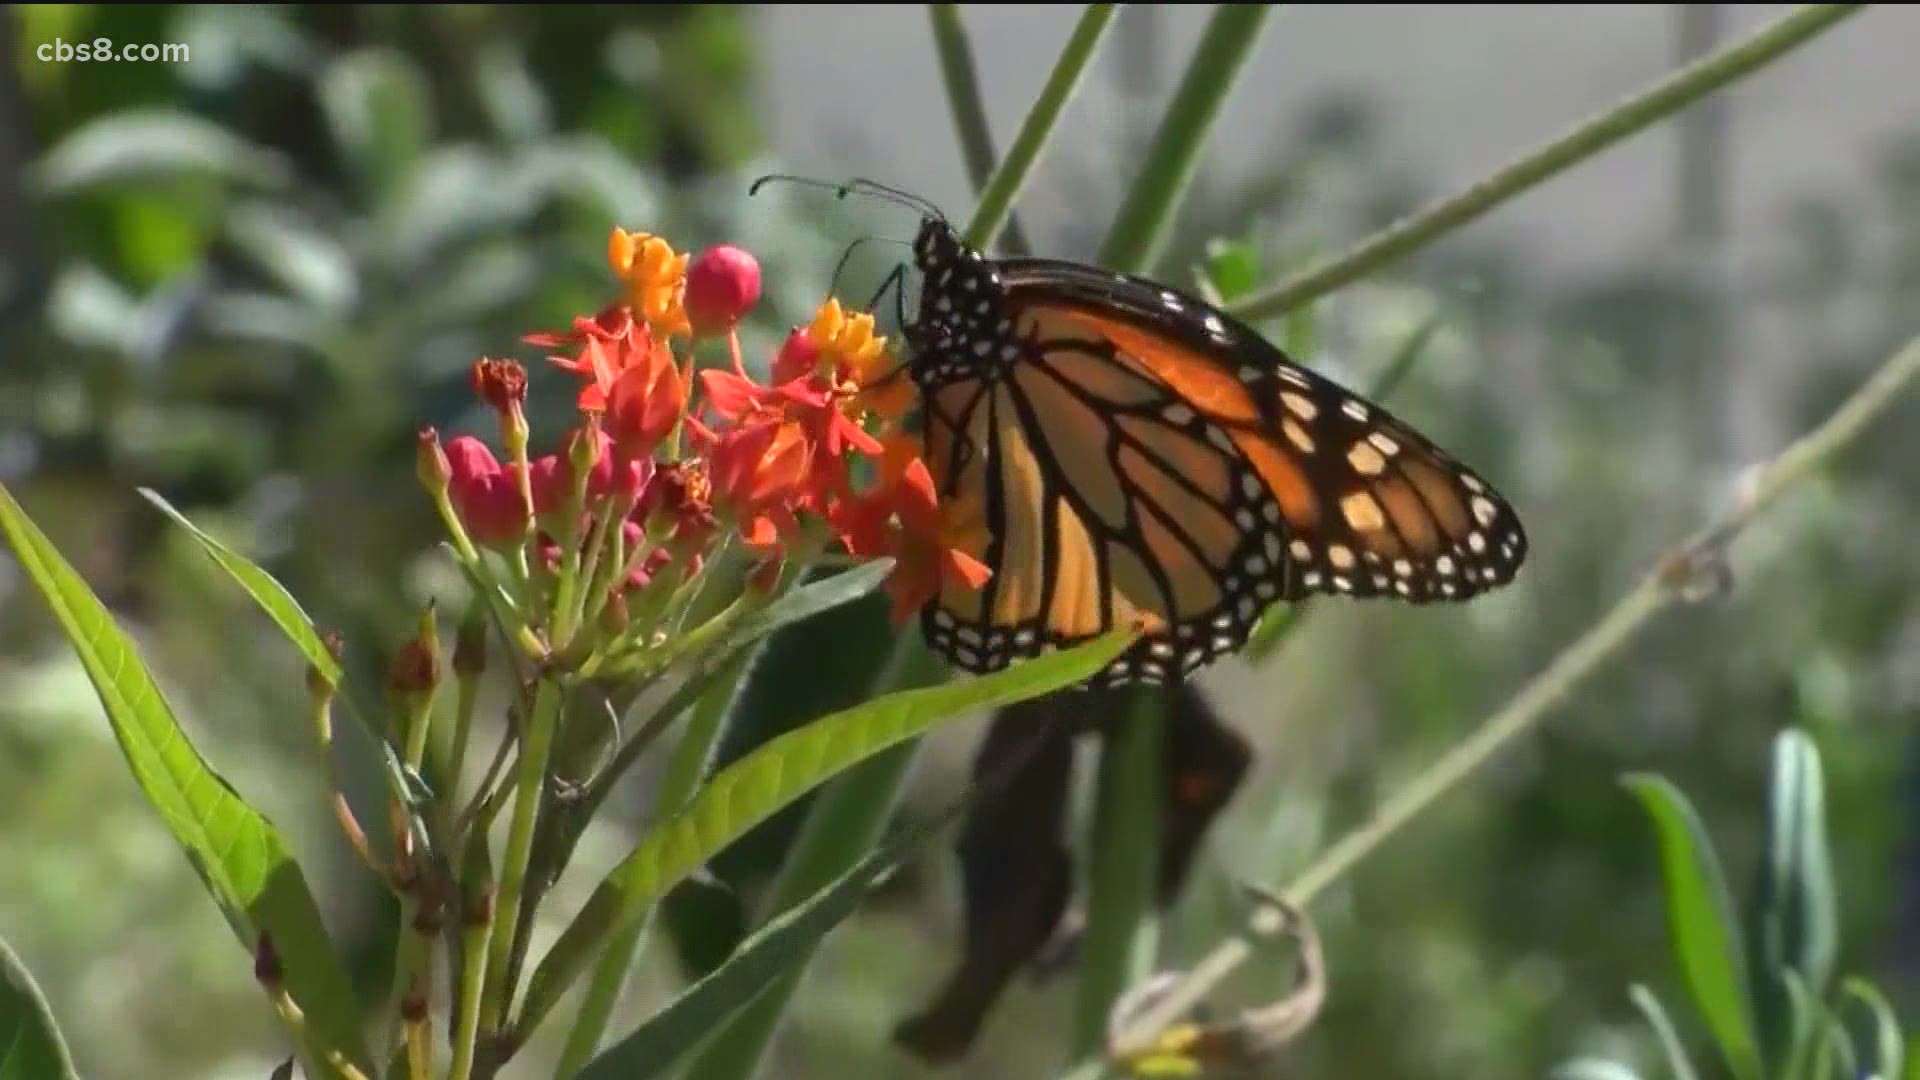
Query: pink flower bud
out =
(484, 495)
(723, 284)
(798, 357)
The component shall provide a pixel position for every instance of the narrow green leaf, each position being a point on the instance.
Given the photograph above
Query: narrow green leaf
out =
(1796, 925)
(763, 958)
(272, 597)
(1841, 1055)
(145, 145)
(1701, 921)
(293, 621)
(809, 600)
(1801, 1053)
(1885, 1062)
(30, 1044)
(238, 854)
(1649, 1005)
(773, 776)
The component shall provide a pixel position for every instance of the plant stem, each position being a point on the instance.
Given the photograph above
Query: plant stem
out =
(997, 200)
(691, 758)
(1636, 113)
(513, 879)
(1140, 229)
(1123, 865)
(969, 113)
(1661, 588)
(476, 927)
(1121, 934)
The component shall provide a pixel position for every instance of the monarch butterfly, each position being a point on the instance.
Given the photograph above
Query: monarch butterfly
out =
(1146, 459)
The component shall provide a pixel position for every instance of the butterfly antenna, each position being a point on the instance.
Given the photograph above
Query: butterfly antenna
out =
(863, 187)
(861, 183)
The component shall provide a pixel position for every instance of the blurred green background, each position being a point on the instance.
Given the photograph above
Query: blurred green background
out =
(245, 280)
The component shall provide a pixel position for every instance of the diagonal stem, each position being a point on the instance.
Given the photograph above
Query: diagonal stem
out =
(997, 200)
(1664, 98)
(957, 72)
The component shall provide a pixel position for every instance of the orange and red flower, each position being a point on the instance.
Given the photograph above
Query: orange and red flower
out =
(762, 460)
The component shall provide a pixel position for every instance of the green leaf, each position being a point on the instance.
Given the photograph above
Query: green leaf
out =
(1801, 1054)
(287, 614)
(773, 776)
(143, 145)
(1796, 924)
(1649, 1005)
(1885, 1061)
(378, 106)
(30, 1044)
(238, 854)
(809, 600)
(760, 961)
(272, 597)
(1701, 922)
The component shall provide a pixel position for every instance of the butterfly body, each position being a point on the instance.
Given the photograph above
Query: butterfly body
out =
(1143, 459)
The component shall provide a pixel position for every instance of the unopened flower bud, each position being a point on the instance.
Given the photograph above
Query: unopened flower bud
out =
(431, 462)
(723, 285)
(798, 357)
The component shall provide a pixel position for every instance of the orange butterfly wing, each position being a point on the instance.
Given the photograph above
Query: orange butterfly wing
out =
(1144, 457)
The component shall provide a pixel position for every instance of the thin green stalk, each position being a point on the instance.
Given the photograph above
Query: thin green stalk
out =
(1140, 230)
(1635, 114)
(1119, 945)
(1664, 586)
(969, 113)
(476, 928)
(692, 756)
(532, 781)
(1121, 934)
(997, 200)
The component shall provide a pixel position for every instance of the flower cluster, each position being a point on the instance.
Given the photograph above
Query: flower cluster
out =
(606, 538)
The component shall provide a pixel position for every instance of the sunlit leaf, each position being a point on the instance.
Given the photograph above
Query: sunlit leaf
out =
(1796, 922)
(1649, 1005)
(1886, 1058)
(135, 145)
(237, 853)
(30, 1044)
(1700, 920)
(773, 776)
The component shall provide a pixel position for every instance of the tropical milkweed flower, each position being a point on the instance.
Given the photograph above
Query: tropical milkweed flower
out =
(668, 463)
(655, 277)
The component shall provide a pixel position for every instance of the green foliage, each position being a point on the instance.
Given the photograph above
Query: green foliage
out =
(238, 854)
(30, 1044)
(748, 791)
(1788, 942)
